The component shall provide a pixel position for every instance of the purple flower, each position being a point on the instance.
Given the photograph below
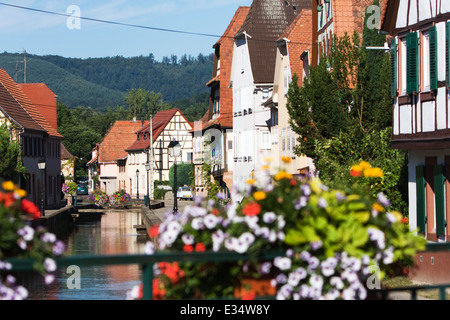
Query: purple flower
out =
(58, 248)
(269, 217)
(49, 264)
(48, 237)
(316, 245)
(26, 232)
(282, 263)
(306, 189)
(301, 203)
(383, 200)
(265, 268)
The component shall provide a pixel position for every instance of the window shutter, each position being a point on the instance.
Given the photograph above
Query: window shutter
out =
(412, 63)
(420, 198)
(433, 59)
(394, 68)
(447, 53)
(439, 192)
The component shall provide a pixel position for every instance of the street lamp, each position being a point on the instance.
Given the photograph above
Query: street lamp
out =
(174, 151)
(137, 184)
(147, 167)
(41, 166)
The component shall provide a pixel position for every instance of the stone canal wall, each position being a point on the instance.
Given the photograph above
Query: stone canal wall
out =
(59, 222)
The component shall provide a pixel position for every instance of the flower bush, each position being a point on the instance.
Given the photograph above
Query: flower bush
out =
(21, 236)
(118, 199)
(335, 242)
(73, 186)
(65, 188)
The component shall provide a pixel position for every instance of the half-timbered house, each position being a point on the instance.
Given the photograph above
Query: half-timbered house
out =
(420, 81)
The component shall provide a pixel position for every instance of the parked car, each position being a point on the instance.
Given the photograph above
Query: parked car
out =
(82, 188)
(185, 193)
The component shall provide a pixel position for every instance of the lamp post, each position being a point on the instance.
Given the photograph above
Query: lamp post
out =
(174, 151)
(137, 184)
(41, 166)
(147, 167)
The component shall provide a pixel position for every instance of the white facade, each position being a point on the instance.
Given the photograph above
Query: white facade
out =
(250, 129)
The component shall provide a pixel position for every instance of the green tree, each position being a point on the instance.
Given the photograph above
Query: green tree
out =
(11, 164)
(184, 175)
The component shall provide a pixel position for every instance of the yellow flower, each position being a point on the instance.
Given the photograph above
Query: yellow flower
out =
(286, 159)
(250, 181)
(268, 160)
(8, 186)
(259, 195)
(265, 167)
(364, 165)
(373, 173)
(282, 175)
(316, 185)
(20, 193)
(377, 207)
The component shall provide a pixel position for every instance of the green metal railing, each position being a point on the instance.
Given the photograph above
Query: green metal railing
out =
(147, 261)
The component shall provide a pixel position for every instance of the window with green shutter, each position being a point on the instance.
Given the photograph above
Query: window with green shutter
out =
(420, 198)
(394, 68)
(439, 193)
(433, 59)
(412, 63)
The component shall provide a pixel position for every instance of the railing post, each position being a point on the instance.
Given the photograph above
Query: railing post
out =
(147, 281)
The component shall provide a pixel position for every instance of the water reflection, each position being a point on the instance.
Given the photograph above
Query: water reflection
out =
(106, 234)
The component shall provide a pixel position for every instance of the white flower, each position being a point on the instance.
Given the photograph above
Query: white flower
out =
(49, 264)
(337, 282)
(316, 281)
(247, 237)
(264, 232)
(332, 294)
(21, 293)
(210, 221)
(188, 238)
(133, 294)
(195, 211)
(252, 222)
(26, 232)
(22, 244)
(281, 222)
(149, 248)
(269, 217)
(388, 255)
(282, 263)
(49, 278)
(241, 246)
(230, 243)
(294, 278)
(197, 223)
(390, 217)
(48, 237)
(305, 291)
(284, 292)
(348, 294)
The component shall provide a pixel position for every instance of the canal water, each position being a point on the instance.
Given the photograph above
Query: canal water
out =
(109, 233)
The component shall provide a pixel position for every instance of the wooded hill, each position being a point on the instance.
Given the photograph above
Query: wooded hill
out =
(100, 83)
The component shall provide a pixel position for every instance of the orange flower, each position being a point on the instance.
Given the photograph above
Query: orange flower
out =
(188, 248)
(30, 208)
(153, 231)
(251, 209)
(200, 247)
(215, 211)
(249, 295)
(405, 220)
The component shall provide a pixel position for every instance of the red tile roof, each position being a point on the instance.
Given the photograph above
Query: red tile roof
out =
(160, 121)
(118, 138)
(12, 108)
(43, 99)
(16, 92)
(299, 35)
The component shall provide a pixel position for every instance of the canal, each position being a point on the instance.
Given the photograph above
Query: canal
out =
(108, 233)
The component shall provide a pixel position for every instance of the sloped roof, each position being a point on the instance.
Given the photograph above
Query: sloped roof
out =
(225, 47)
(16, 92)
(160, 121)
(43, 99)
(265, 22)
(65, 154)
(299, 36)
(118, 138)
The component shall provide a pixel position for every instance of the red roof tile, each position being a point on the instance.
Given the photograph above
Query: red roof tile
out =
(118, 138)
(43, 99)
(11, 106)
(15, 90)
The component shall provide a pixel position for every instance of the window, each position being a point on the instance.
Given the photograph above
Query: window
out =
(265, 140)
(283, 148)
(425, 46)
(433, 59)
(287, 78)
(293, 144)
(412, 63)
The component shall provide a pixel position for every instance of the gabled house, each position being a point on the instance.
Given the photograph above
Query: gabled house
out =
(252, 75)
(217, 123)
(293, 49)
(109, 160)
(166, 126)
(420, 58)
(21, 109)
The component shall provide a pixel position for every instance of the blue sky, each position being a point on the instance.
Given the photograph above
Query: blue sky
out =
(42, 34)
